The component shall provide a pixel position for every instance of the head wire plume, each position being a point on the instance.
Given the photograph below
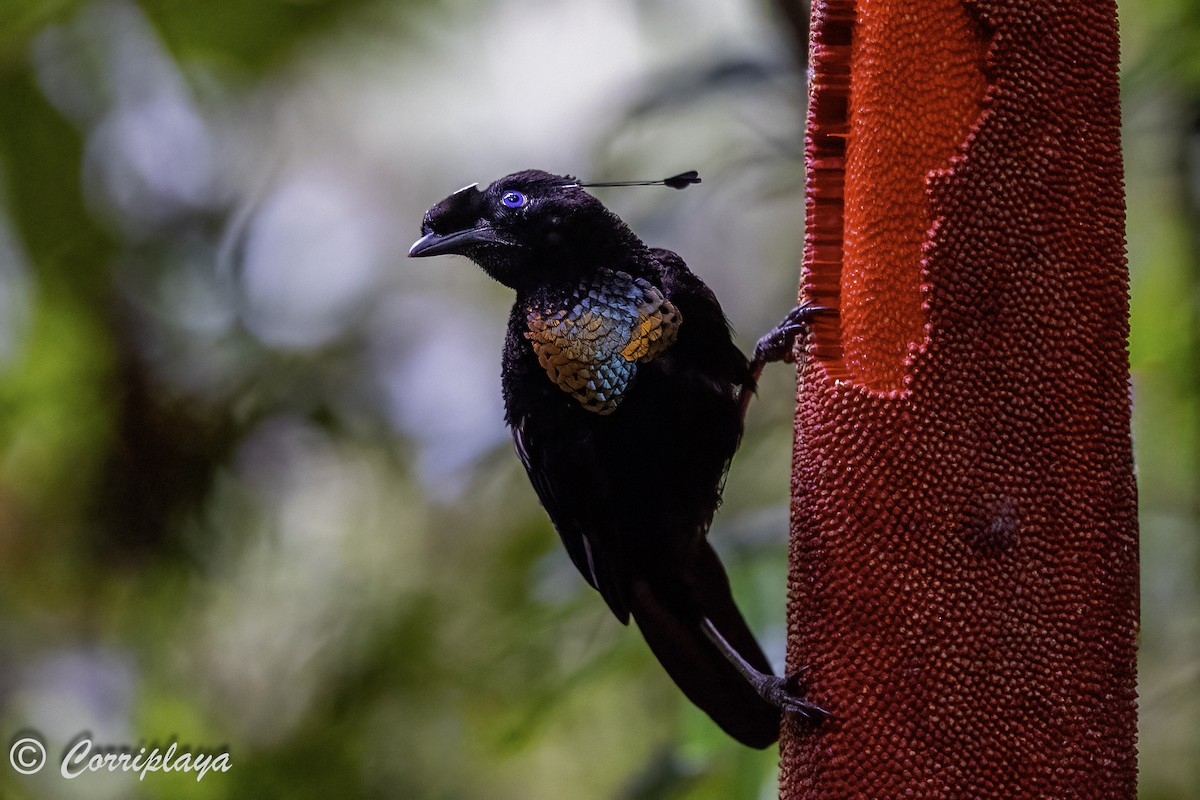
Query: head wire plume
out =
(680, 181)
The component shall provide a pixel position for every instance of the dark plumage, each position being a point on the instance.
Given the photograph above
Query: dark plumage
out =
(625, 395)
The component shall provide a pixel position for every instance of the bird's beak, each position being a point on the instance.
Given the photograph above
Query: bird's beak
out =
(436, 244)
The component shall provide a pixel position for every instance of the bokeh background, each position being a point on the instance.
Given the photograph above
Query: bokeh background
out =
(255, 489)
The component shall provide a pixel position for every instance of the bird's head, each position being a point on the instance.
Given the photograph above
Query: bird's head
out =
(528, 229)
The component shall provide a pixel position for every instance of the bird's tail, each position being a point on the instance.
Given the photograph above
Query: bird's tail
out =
(671, 622)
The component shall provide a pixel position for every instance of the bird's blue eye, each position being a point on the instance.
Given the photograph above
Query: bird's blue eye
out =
(512, 199)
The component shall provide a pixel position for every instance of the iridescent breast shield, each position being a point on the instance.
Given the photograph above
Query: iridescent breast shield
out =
(590, 348)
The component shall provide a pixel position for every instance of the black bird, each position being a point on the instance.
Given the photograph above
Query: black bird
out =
(625, 395)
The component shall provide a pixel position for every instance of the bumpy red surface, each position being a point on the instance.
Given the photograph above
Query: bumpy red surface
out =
(964, 564)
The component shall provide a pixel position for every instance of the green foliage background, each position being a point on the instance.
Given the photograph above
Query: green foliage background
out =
(255, 492)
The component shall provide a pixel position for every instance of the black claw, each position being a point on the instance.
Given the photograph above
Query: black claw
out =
(808, 711)
(794, 677)
(778, 692)
(788, 695)
(778, 343)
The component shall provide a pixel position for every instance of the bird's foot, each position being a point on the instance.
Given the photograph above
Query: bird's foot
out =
(779, 343)
(782, 692)
(786, 693)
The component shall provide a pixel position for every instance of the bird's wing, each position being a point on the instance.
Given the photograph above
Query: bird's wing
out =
(590, 347)
(567, 481)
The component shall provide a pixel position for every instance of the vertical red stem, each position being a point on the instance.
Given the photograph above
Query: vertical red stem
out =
(964, 553)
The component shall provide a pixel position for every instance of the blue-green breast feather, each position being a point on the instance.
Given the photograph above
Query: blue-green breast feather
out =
(591, 344)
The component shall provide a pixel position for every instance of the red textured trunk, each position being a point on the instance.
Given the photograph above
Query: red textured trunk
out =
(964, 563)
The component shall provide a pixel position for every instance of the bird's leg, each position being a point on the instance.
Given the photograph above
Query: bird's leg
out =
(778, 345)
(781, 692)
